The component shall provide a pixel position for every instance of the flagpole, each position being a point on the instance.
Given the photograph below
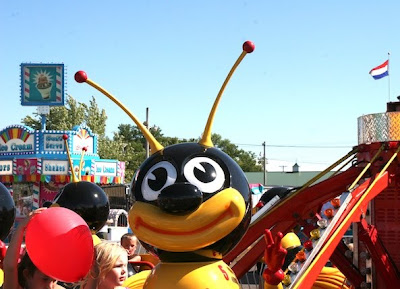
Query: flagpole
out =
(389, 75)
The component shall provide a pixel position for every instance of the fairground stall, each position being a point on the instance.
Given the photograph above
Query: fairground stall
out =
(34, 163)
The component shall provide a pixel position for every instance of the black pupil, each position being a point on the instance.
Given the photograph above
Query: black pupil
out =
(161, 179)
(208, 175)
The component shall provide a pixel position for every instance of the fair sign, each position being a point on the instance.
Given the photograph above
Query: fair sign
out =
(16, 140)
(83, 139)
(86, 167)
(6, 167)
(53, 167)
(53, 142)
(42, 84)
(26, 166)
(108, 169)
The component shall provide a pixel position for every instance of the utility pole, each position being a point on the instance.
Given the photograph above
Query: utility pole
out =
(147, 126)
(43, 111)
(264, 166)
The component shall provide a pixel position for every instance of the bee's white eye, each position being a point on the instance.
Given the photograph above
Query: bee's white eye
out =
(204, 173)
(159, 176)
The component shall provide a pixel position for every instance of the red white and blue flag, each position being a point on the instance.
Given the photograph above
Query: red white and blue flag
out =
(380, 71)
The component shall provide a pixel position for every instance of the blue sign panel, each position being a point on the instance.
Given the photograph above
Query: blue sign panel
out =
(42, 84)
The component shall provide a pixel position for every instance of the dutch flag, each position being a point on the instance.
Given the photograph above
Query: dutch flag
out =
(380, 71)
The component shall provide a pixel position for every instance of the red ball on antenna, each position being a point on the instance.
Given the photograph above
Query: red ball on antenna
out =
(84, 149)
(65, 136)
(248, 46)
(81, 76)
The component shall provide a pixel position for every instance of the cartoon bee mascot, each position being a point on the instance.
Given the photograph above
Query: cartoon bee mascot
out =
(193, 205)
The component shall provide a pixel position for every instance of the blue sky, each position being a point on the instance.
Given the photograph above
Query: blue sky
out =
(305, 84)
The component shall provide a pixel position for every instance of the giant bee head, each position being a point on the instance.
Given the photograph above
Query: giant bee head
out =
(192, 200)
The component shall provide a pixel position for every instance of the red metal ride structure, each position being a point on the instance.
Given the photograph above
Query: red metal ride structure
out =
(367, 196)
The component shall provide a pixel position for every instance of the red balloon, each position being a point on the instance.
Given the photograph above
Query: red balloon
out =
(60, 244)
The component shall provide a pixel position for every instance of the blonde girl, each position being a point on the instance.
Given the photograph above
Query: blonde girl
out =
(109, 270)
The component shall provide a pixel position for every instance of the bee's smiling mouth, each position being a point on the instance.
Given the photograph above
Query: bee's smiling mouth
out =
(140, 222)
(212, 221)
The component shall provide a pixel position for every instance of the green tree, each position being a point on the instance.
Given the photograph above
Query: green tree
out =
(134, 150)
(133, 144)
(245, 159)
(117, 148)
(72, 114)
(128, 143)
(96, 118)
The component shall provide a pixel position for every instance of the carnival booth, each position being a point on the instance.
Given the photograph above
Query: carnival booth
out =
(34, 163)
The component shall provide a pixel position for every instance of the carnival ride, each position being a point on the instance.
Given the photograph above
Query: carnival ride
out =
(364, 197)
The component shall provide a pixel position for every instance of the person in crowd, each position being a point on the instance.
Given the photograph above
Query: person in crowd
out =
(22, 209)
(24, 274)
(109, 270)
(129, 242)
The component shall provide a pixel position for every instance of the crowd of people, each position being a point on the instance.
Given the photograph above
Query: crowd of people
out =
(114, 263)
(111, 266)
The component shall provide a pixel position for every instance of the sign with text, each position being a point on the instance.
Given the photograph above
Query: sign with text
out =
(108, 169)
(53, 142)
(42, 84)
(5, 167)
(53, 167)
(16, 140)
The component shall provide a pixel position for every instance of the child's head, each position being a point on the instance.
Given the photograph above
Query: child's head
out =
(112, 262)
(129, 243)
(30, 277)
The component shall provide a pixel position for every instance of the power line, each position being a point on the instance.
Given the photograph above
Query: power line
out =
(303, 162)
(297, 146)
(309, 146)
